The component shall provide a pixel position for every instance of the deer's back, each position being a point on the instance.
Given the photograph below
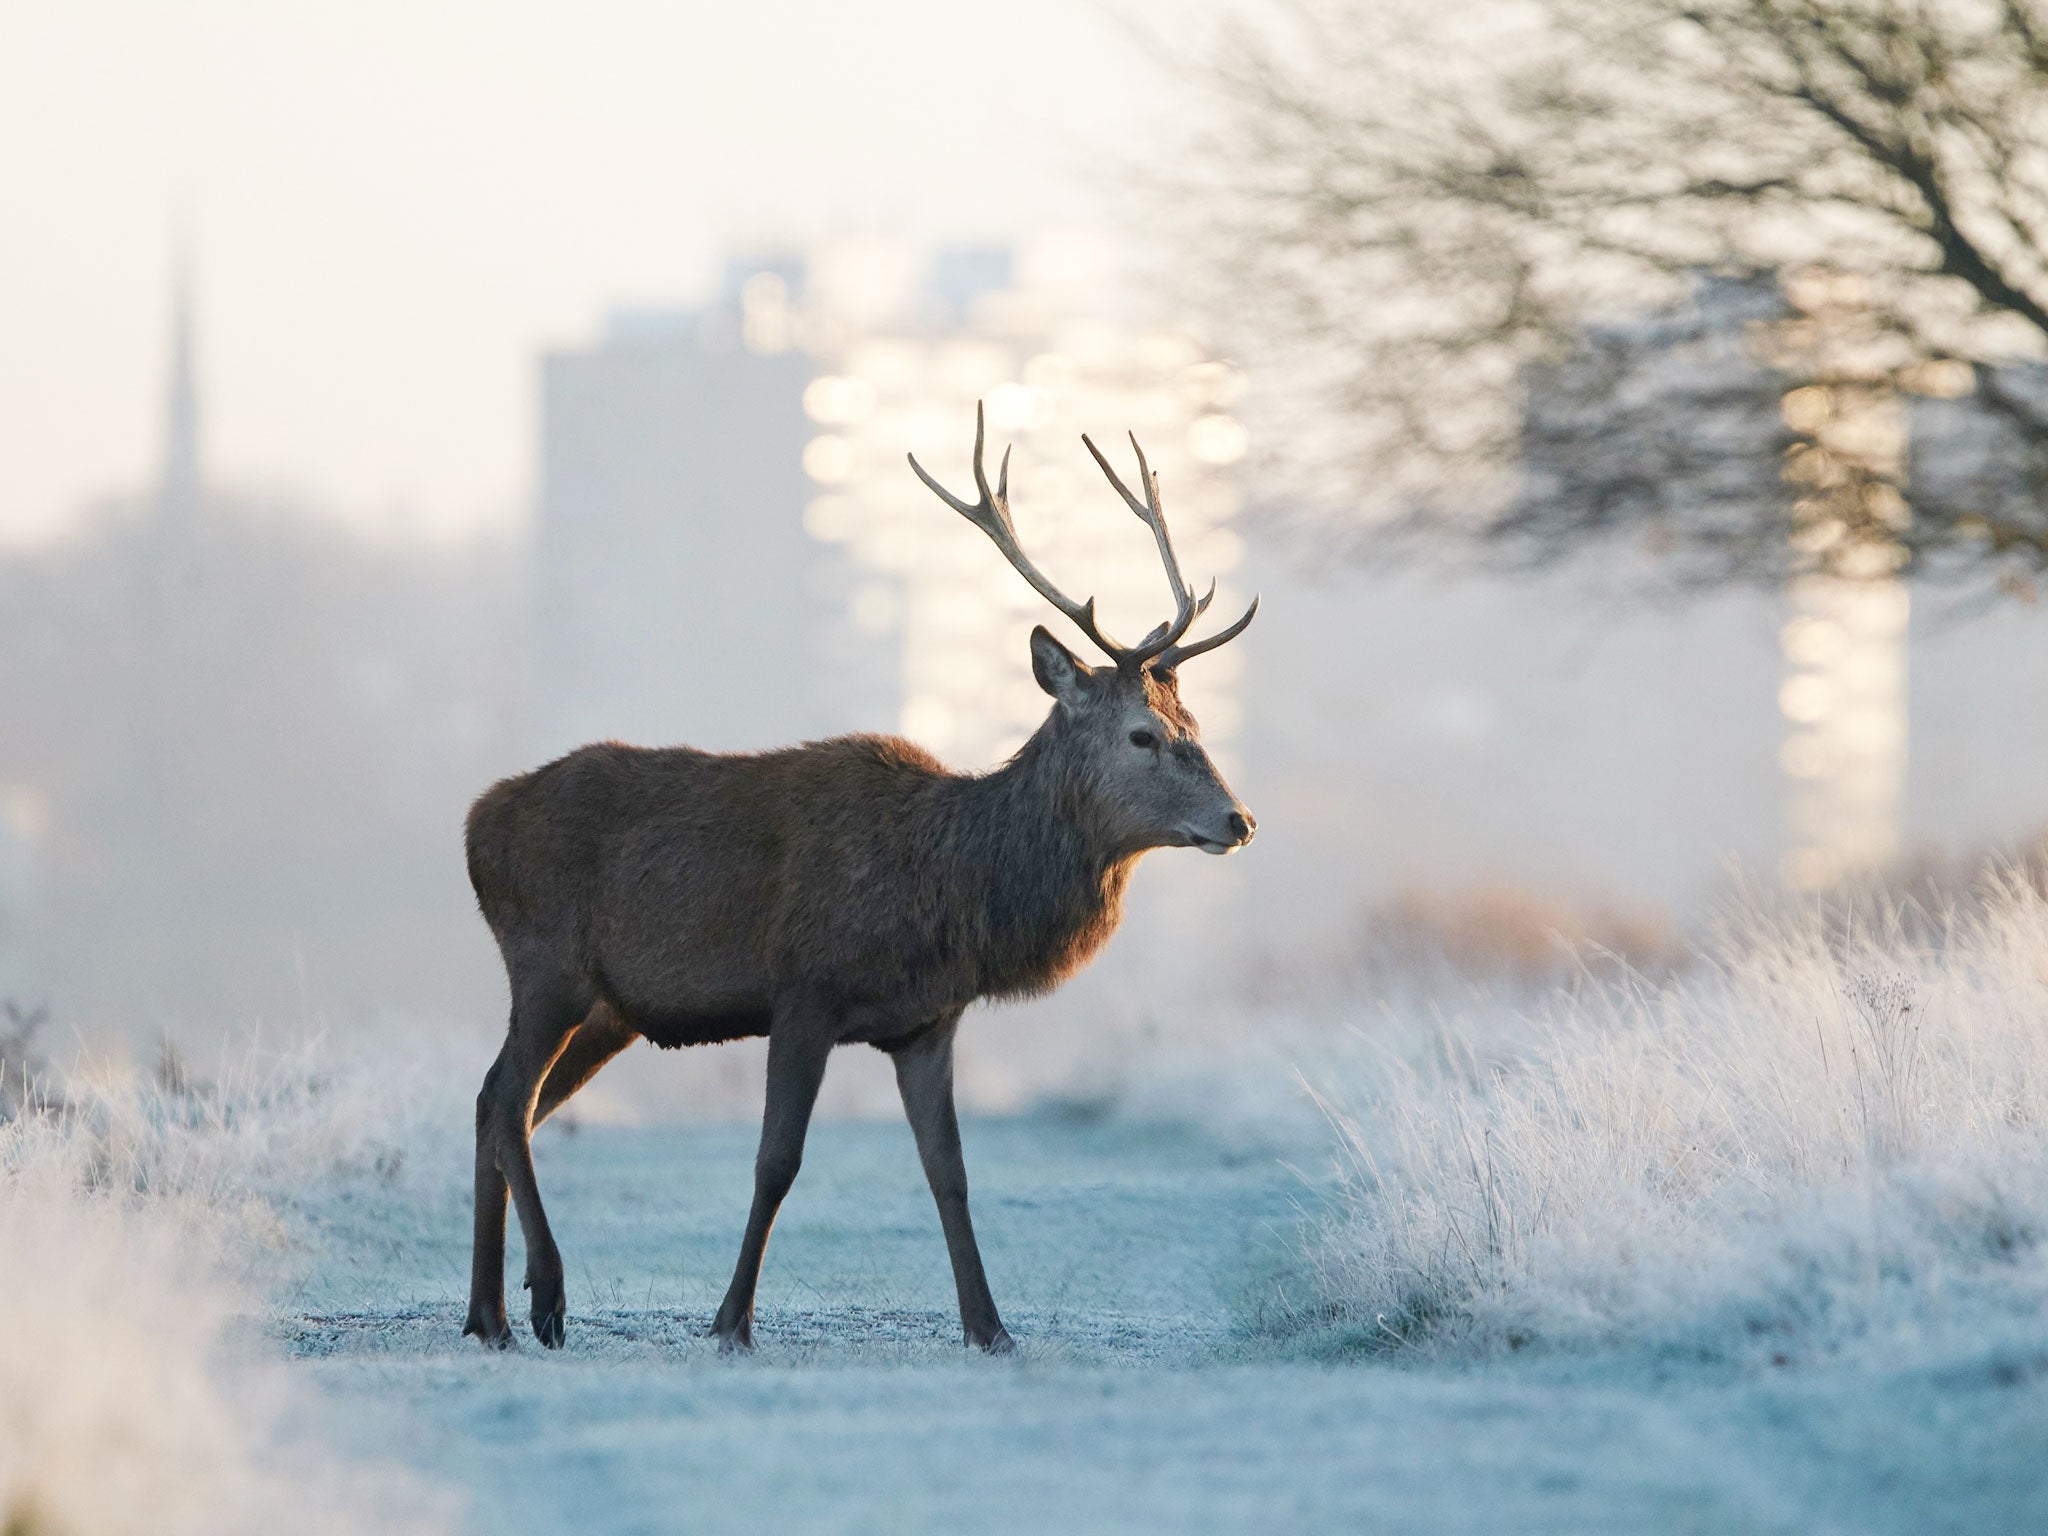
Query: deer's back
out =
(686, 887)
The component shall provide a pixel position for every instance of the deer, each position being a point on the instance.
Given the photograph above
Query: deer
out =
(848, 891)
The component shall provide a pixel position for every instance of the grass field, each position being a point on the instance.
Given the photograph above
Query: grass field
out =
(1758, 1247)
(1130, 1260)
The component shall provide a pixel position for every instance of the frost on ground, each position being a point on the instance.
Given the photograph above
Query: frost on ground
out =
(1126, 1257)
(135, 1394)
(1755, 1249)
(1829, 1138)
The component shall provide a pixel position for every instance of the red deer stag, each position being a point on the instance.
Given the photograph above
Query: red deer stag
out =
(843, 891)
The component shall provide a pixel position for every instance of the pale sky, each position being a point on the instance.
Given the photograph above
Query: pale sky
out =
(395, 203)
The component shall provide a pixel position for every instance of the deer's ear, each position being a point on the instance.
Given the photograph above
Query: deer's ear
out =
(1058, 670)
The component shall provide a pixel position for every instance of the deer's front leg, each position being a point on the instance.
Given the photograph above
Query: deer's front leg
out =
(924, 1076)
(800, 1042)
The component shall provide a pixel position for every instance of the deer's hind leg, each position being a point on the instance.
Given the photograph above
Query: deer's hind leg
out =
(544, 1016)
(600, 1037)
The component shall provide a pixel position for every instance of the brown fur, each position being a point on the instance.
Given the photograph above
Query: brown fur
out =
(846, 890)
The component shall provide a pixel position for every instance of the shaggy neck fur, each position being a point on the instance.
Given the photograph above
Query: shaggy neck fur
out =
(1042, 873)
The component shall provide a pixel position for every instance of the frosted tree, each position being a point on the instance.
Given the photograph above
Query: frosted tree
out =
(1689, 274)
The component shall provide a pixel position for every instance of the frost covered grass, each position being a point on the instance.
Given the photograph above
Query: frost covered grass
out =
(1831, 1131)
(136, 1240)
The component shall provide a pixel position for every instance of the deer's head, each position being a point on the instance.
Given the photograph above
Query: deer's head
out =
(1134, 744)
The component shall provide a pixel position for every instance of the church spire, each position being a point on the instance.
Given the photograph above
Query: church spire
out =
(179, 488)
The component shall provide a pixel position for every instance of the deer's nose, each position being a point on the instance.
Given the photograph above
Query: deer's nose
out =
(1242, 826)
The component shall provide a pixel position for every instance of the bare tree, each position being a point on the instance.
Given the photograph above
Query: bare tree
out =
(1687, 272)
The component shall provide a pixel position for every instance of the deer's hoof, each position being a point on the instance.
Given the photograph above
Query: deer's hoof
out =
(550, 1318)
(491, 1331)
(734, 1339)
(997, 1343)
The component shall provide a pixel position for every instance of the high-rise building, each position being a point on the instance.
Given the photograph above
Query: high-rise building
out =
(675, 590)
(733, 552)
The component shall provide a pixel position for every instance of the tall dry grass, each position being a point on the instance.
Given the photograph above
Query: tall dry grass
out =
(136, 1394)
(1834, 1127)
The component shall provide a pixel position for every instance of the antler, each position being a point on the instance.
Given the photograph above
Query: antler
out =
(1164, 642)
(1161, 647)
(992, 516)
(1174, 655)
(1153, 516)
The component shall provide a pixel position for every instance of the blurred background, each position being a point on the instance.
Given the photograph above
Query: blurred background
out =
(1630, 414)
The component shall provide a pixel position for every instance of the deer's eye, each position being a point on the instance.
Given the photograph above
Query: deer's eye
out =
(1143, 738)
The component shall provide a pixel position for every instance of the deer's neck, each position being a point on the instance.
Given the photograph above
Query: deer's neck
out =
(1045, 883)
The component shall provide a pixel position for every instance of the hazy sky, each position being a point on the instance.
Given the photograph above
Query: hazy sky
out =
(394, 203)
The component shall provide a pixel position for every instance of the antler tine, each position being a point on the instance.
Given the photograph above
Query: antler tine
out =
(992, 516)
(972, 511)
(1153, 515)
(1174, 655)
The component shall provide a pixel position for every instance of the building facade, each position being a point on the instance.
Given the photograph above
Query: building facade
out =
(733, 552)
(673, 584)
